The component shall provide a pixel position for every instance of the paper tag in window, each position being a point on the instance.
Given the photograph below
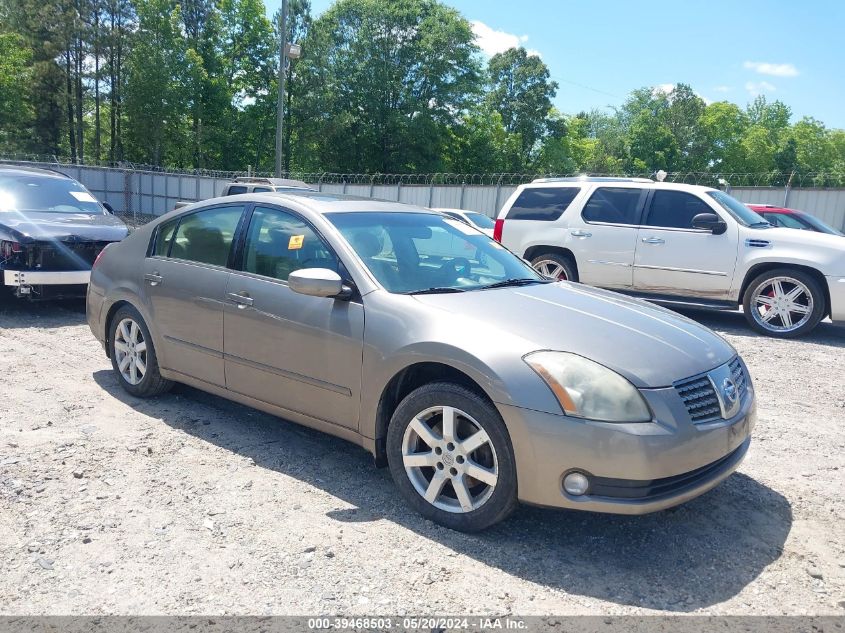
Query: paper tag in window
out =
(83, 196)
(295, 242)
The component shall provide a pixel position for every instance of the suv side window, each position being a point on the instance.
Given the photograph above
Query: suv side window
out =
(261, 190)
(279, 243)
(614, 205)
(206, 236)
(546, 204)
(235, 190)
(675, 209)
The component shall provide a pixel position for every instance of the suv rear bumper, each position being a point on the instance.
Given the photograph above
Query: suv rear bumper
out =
(45, 278)
(836, 287)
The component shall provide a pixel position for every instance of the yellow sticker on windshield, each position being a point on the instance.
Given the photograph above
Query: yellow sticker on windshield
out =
(295, 242)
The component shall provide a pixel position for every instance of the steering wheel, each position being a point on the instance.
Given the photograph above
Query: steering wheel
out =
(458, 267)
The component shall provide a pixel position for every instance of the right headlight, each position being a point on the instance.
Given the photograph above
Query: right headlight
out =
(588, 390)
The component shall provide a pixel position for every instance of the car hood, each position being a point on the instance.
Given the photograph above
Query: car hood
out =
(35, 226)
(651, 346)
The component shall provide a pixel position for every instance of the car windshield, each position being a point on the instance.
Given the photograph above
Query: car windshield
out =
(30, 192)
(480, 220)
(428, 253)
(738, 210)
(818, 224)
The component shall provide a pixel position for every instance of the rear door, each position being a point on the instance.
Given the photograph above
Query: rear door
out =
(675, 259)
(294, 351)
(185, 280)
(604, 236)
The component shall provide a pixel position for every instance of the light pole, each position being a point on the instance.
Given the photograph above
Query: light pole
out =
(280, 105)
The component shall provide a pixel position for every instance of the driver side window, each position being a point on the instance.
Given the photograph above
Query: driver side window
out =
(279, 243)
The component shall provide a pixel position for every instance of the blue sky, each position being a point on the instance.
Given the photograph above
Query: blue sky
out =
(599, 52)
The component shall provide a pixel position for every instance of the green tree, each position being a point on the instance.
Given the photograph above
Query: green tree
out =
(521, 92)
(723, 126)
(479, 143)
(16, 76)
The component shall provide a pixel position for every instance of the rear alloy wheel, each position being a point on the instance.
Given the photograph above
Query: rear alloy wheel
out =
(450, 455)
(554, 266)
(784, 303)
(133, 355)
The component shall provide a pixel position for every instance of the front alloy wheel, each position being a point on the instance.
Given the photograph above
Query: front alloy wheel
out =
(784, 303)
(451, 457)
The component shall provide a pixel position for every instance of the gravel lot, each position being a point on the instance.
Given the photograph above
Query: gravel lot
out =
(190, 504)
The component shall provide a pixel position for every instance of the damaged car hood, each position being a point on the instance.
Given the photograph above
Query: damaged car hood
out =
(34, 226)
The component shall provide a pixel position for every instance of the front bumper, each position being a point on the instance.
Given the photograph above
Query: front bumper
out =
(633, 468)
(45, 278)
(836, 287)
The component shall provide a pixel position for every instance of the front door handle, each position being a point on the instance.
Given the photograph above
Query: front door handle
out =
(154, 278)
(241, 299)
(653, 240)
(580, 233)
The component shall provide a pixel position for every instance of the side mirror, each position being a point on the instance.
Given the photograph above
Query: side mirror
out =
(709, 222)
(318, 282)
(108, 207)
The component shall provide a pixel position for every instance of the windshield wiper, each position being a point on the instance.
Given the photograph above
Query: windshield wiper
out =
(434, 291)
(763, 223)
(515, 282)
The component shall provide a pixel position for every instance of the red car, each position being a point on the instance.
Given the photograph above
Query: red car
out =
(792, 219)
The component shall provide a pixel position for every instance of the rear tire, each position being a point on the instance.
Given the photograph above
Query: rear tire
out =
(555, 266)
(133, 355)
(451, 457)
(784, 303)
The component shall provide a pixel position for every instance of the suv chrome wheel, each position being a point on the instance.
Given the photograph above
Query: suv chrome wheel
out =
(130, 351)
(781, 304)
(449, 459)
(551, 269)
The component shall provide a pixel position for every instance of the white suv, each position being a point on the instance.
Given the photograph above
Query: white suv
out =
(677, 243)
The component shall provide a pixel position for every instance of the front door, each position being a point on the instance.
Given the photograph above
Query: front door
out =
(675, 259)
(294, 351)
(604, 237)
(185, 281)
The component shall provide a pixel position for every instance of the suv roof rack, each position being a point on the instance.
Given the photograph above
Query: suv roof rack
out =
(592, 179)
(277, 182)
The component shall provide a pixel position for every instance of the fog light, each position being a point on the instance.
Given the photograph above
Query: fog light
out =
(576, 484)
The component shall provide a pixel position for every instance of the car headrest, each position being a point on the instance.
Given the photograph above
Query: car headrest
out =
(366, 244)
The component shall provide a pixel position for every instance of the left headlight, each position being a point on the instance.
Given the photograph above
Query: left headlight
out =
(586, 389)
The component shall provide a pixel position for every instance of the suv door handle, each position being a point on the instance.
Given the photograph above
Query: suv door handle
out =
(241, 299)
(154, 278)
(653, 240)
(580, 233)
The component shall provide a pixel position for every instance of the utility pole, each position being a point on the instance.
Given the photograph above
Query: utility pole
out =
(280, 105)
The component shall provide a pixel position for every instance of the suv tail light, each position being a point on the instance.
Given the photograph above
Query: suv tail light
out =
(497, 229)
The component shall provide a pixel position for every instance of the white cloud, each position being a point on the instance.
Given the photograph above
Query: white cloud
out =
(776, 70)
(492, 41)
(534, 51)
(757, 87)
(664, 89)
(722, 88)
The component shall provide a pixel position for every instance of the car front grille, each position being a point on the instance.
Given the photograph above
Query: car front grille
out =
(739, 377)
(59, 256)
(700, 399)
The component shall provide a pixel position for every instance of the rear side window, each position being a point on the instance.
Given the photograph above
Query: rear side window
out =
(164, 236)
(614, 205)
(235, 190)
(206, 236)
(261, 190)
(546, 204)
(675, 209)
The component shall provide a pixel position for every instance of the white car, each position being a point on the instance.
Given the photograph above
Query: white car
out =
(478, 220)
(678, 244)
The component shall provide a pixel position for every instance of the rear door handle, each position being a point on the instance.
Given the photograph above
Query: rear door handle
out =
(580, 233)
(241, 299)
(154, 278)
(653, 240)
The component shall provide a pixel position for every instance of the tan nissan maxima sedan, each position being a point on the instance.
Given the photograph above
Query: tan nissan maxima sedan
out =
(479, 382)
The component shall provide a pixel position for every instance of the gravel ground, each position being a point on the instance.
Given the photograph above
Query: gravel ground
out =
(191, 504)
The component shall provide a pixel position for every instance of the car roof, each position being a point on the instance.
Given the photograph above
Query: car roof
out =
(276, 182)
(617, 182)
(32, 171)
(592, 179)
(323, 202)
(770, 208)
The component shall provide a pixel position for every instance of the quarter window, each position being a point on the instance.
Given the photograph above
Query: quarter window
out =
(675, 209)
(206, 236)
(546, 204)
(235, 190)
(614, 205)
(164, 236)
(279, 243)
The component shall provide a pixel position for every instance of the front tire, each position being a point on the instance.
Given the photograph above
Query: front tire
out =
(555, 266)
(451, 457)
(133, 356)
(784, 303)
